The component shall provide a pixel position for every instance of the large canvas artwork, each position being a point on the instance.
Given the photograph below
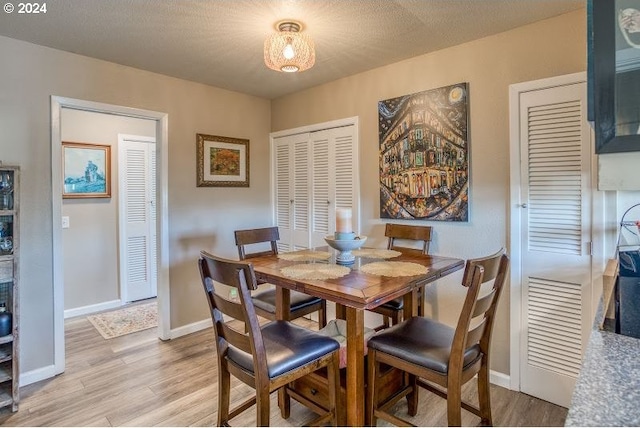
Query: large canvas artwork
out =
(424, 148)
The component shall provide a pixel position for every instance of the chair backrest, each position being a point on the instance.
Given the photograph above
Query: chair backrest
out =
(407, 232)
(475, 324)
(257, 236)
(239, 275)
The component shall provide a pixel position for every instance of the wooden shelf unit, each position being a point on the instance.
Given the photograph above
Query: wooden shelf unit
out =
(9, 282)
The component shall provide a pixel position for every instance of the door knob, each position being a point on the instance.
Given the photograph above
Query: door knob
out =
(525, 205)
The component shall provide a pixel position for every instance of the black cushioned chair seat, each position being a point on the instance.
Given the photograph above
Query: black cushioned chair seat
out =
(395, 304)
(421, 341)
(287, 347)
(266, 300)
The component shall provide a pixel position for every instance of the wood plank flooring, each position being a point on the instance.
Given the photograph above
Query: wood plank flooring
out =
(138, 380)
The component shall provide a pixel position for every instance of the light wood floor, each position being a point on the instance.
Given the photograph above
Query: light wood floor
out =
(137, 380)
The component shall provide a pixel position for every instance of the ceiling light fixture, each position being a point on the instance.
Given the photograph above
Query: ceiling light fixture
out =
(289, 50)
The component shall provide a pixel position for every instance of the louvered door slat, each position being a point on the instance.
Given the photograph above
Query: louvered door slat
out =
(554, 306)
(283, 184)
(301, 186)
(136, 204)
(320, 213)
(136, 187)
(344, 174)
(554, 336)
(153, 241)
(547, 200)
(137, 263)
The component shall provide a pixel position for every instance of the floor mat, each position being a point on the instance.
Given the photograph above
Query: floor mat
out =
(125, 321)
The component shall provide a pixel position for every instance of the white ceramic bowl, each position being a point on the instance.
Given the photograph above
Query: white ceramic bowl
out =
(345, 244)
(344, 247)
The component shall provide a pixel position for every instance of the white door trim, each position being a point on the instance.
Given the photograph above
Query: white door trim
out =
(162, 146)
(514, 210)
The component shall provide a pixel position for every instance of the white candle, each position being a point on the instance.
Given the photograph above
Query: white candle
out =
(343, 220)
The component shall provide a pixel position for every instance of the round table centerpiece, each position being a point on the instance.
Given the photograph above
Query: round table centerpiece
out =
(345, 246)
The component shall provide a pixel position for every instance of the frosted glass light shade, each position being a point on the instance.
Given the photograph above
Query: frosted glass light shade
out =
(289, 50)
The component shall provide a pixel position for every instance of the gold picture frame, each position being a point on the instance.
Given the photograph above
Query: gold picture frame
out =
(86, 170)
(222, 161)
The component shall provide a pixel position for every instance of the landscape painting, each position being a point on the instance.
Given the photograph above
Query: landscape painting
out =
(222, 161)
(87, 170)
(424, 155)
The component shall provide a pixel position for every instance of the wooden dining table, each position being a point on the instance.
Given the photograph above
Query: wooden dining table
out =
(353, 294)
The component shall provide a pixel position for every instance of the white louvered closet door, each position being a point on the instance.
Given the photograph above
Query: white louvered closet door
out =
(292, 181)
(138, 264)
(313, 173)
(556, 247)
(283, 195)
(322, 200)
(300, 218)
(334, 180)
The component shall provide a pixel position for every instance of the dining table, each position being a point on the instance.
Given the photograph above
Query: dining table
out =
(369, 282)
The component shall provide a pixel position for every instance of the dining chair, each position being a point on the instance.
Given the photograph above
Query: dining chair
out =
(265, 301)
(391, 311)
(266, 358)
(437, 357)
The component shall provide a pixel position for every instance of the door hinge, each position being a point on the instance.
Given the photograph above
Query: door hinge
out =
(589, 248)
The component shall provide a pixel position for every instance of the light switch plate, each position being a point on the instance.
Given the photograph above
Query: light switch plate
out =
(65, 222)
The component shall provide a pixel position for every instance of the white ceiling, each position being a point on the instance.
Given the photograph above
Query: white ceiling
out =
(220, 42)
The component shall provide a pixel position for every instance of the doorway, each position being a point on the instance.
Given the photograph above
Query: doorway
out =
(161, 212)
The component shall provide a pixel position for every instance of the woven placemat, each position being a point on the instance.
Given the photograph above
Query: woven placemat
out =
(305, 256)
(315, 271)
(374, 253)
(394, 269)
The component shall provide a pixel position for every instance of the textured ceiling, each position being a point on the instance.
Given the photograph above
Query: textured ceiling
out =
(219, 42)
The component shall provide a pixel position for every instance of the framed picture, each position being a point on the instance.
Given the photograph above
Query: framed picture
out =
(614, 60)
(222, 161)
(86, 170)
(424, 155)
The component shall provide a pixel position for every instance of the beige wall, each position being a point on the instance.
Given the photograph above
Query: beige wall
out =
(549, 48)
(90, 244)
(199, 218)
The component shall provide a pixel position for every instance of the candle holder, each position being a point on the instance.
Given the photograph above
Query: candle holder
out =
(344, 247)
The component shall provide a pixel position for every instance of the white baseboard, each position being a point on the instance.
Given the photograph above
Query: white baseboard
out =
(190, 328)
(500, 379)
(84, 310)
(37, 375)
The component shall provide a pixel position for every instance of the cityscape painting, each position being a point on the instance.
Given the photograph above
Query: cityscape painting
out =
(424, 149)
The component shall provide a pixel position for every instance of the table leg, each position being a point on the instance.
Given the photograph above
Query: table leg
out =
(410, 304)
(283, 303)
(411, 310)
(355, 367)
(341, 312)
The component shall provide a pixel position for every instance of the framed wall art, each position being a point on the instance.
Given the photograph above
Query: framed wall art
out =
(222, 161)
(424, 155)
(86, 170)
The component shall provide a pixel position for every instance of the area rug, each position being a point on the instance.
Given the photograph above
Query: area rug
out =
(127, 320)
